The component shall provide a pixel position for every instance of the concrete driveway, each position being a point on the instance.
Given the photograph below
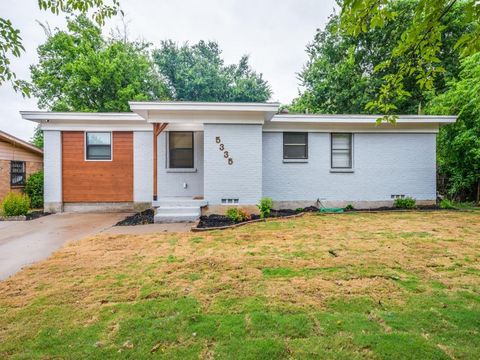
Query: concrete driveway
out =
(25, 242)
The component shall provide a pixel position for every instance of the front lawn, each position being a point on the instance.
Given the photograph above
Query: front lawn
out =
(356, 285)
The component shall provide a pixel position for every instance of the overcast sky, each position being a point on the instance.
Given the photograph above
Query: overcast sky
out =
(273, 32)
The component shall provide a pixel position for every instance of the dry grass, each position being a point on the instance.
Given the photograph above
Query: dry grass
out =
(300, 266)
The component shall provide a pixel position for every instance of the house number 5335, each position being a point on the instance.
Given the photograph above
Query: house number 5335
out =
(221, 147)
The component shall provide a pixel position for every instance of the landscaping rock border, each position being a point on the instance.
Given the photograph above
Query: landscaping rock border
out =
(195, 228)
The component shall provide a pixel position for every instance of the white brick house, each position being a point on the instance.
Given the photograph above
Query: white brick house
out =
(180, 156)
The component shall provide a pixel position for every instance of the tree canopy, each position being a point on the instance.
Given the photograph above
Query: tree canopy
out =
(342, 75)
(418, 47)
(11, 41)
(459, 143)
(198, 73)
(78, 70)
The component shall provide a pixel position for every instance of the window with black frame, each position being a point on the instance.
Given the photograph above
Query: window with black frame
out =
(98, 145)
(180, 149)
(295, 145)
(17, 173)
(341, 147)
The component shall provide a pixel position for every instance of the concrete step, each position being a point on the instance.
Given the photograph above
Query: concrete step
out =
(177, 209)
(175, 217)
(179, 202)
(167, 210)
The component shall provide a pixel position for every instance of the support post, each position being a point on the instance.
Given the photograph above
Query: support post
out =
(157, 129)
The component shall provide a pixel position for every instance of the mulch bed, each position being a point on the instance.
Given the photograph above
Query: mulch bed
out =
(30, 216)
(36, 214)
(141, 218)
(387, 208)
(214, 221)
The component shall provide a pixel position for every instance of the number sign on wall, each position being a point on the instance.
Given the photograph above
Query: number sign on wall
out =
(221, 147)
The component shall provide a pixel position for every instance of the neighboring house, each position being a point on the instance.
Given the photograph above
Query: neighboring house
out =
(180, 156)
(18, 159)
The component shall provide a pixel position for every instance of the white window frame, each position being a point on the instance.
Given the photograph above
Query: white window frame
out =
(167, 153)
(85, 145)
(342, 169)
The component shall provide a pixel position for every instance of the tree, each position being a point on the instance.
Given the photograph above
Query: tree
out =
(339, 76)
(459, 143)
(78, 70)
(419, 45)
(198, 73)
(11, 41)
(37, 138)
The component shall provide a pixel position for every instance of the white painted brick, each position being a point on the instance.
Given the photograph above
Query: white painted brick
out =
(171, 183)
(142, 166)
(52, 159)
(384, 164)
(242, 179)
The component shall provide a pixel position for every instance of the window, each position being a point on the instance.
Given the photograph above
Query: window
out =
(295, 145)
(341, 151)
(180, 149)
(99, 146)
(17, 173)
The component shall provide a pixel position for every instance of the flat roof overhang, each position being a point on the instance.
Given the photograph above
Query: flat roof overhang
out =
(204, 112)
(360, 119)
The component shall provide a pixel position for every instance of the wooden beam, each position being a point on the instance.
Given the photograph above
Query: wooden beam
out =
(157, 129)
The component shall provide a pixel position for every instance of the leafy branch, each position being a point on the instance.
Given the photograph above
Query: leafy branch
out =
(11, 41)
(418, 49)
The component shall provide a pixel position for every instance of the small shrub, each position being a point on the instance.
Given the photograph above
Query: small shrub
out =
(15, 204)
(405, 203)
(349, 207)
(265, 207)
(34, 189)
(447, 204)
(237, 215)
(299, 210)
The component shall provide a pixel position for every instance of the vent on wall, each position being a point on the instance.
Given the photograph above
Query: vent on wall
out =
(397, 196)
(229, 201)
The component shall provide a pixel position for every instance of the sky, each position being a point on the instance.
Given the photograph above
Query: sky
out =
(273, 33)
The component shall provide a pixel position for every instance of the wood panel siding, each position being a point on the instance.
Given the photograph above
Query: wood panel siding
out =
(9, 151)
(97, 181)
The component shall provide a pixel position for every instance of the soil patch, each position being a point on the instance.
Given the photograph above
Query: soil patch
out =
(215, 220)
(390, 208)
(141, 218)
(36, 214)
(30, 216)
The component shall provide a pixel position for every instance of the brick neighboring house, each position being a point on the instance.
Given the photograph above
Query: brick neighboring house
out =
(18, 159)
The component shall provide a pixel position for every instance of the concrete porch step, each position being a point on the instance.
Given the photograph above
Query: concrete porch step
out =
(179, 202)
(175, 218)
(179, 209)
(190, 210)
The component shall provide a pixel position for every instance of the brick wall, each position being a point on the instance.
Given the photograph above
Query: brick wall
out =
(4, 178)
(243, 178)
(32, 166)
(383, 164)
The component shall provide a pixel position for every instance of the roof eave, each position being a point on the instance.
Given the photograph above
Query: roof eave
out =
(16, 141)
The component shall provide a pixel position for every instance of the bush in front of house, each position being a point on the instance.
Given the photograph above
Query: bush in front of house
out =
(15, 204)
(237, 215)
(34, 189)
(405, 203)
(265, 206)
(447, 204)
